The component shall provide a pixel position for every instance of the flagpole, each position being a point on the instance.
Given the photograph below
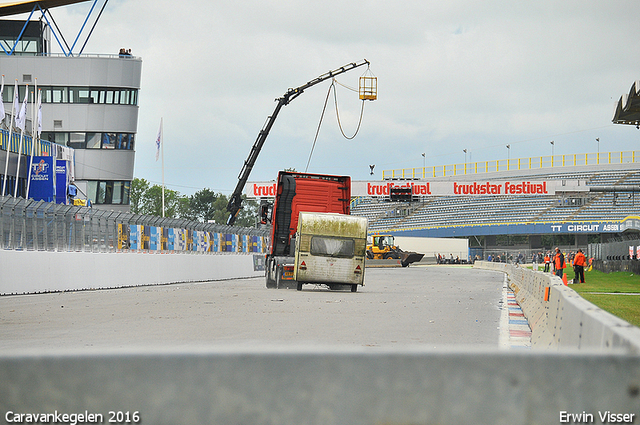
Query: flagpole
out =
(15, 191)
(33, 136)
(6, 164)
(162, 153)
(23, 121)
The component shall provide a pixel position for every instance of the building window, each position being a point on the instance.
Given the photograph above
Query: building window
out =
(76, 140)
(108, 140)
(93, 140)
(121, 141)
(93, 95)
(109, 192)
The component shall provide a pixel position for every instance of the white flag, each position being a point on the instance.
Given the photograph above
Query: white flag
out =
(159, 140)
(16, 103)
(39, 112)
(21, 118)
(2, 111)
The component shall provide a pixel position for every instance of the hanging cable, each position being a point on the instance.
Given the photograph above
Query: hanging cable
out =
(324, 108)
(338, 116)
(346, 87)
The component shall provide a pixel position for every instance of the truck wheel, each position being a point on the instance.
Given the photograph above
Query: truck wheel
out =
(354, 288)
(299, 286)
(369, 255)
(271, 284)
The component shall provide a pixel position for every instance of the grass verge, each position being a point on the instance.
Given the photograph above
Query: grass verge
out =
(607, 292)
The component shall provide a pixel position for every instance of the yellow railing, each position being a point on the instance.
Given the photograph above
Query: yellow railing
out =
(540, 162)
(42, 147)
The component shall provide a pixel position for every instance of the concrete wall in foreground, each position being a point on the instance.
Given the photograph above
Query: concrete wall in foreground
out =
(327, 386)
(23, 272)
(560, 318)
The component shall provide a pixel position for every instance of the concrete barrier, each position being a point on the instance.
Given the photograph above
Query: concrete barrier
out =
(300, 386)
(25, 272)
(560, 318)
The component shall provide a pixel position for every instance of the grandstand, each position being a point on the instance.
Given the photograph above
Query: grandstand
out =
(604, 210)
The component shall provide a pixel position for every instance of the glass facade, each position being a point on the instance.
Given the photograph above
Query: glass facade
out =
(79, 140)
(83, 95)
(108, 192)
(23, 40)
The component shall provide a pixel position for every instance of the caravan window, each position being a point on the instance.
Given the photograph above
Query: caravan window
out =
(332, 247)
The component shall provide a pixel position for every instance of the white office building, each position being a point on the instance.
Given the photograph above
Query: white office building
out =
(89, 103)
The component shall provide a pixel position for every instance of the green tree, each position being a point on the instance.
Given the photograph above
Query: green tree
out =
(203, 205)
(152, 202)
(206, 205)
(248, 214)
(184, 208)
(147, 199)
(136, 194)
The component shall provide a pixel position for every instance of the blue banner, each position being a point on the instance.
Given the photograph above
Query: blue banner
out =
(42, 182)
(61, 181)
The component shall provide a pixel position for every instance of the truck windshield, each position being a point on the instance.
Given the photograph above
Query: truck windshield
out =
(332, 247)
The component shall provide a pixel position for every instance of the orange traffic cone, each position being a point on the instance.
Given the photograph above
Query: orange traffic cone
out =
(564, 279)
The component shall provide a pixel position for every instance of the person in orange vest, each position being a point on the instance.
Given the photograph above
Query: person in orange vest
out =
(559, 263)
(547, 263)
(578, 266)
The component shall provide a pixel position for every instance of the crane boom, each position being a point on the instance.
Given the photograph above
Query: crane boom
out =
(235, 201)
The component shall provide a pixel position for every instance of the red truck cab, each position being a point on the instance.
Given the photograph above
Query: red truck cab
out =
(298, 192)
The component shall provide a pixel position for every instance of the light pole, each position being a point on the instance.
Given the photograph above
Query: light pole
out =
(552, 146)
(465, 155)
(598, 157)
(424, 164)
(508, 157)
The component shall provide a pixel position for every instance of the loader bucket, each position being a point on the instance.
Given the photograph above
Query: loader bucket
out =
(410, 257)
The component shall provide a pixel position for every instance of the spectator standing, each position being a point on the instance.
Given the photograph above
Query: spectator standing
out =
(547, 262)
(579, 262)
(559, 263)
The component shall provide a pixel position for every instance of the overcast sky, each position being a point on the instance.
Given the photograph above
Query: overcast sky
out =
(452, 75)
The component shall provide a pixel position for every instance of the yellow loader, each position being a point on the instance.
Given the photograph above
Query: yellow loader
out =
(383, 247)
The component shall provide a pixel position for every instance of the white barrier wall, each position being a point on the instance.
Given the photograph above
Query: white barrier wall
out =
(560, 318)
(23, 272)
(322, 385)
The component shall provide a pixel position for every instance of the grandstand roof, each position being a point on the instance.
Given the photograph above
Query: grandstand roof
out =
(628, 107)
(9, 8)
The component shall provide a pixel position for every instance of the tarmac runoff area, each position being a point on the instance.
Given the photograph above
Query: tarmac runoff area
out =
(428, 306)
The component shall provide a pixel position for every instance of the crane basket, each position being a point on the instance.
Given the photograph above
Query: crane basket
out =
(368, 86)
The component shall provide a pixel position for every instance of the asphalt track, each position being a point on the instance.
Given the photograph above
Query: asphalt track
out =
(431, 306)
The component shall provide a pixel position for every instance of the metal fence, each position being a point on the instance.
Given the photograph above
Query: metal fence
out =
(627, 249)
(44, 226)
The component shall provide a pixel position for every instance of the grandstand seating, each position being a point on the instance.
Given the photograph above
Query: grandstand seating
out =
(452, 211)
